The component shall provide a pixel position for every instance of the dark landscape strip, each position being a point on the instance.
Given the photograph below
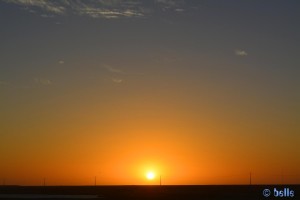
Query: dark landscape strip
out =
(43, 196)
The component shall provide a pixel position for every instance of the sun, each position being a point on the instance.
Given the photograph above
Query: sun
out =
(150, 175)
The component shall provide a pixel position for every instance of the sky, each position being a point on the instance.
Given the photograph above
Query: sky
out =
(197, 92)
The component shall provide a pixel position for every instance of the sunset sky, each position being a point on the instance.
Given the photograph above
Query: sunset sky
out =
(197, 92)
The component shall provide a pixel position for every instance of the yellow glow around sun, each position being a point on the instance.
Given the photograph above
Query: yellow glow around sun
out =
(150, 175)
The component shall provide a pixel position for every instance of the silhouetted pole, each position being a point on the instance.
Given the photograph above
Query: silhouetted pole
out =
(282, 177)
(4, 181)
(95, 180)
(250, 178)
(44, 181)
(160, 180)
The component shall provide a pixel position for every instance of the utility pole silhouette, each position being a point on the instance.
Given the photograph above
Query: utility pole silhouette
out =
(160, 180)
(282, 177)
(95, 180)
(3, 181)
(250, 178)
(44, 181)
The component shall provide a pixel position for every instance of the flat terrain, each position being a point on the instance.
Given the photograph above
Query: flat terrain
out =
(186, 192)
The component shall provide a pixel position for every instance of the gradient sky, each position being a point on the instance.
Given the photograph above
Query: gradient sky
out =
(200, 92)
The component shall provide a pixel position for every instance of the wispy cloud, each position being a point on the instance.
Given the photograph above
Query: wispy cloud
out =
(50, 6)
(175, 5)
(112, 69)
(117, 73)
(42, 81)
(239, 52)
(108, 9)
(108, 13)
(117, 80)
(47, 16)
(114, 72)
(29, 84)
(96, 9)
(61, 62)
(168, 2)
(179, 10)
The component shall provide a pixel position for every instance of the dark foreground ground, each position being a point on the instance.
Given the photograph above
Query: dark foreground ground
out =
(201, 192)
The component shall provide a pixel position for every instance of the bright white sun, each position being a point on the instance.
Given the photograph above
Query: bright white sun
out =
(150, 175)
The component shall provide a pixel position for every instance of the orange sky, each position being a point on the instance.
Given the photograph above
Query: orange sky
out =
(197, 92)
(69, 147)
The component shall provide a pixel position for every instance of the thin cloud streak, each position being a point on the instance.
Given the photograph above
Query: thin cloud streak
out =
(113, 70)
(167, 2)
(50, 6)
(241, 53)
(108, 14)
(117, 80)
(42, 81)
(97, 9)
(94, 9)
